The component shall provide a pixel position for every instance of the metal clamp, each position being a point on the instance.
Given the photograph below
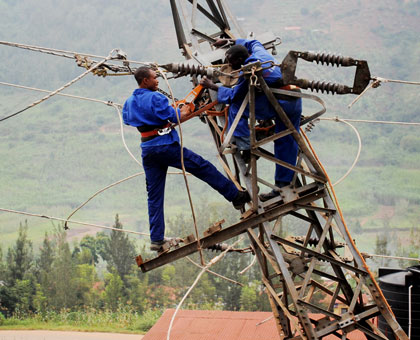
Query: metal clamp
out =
(164, 131)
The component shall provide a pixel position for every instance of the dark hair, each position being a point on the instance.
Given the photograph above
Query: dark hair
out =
(142, 73)
(236, 53)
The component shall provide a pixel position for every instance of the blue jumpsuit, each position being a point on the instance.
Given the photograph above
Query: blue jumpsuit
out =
(285, 148)
(149, 108)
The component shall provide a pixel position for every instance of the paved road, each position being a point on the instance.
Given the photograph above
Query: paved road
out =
(54, 335)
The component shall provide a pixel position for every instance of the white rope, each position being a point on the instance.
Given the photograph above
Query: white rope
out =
(243, 271)
(72, 221)
(358, 151)
(214, 273)
(122, 134)
(208, 265)
(110, 186)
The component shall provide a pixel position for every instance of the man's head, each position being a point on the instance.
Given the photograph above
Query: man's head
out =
(236, 56)
(146, 78)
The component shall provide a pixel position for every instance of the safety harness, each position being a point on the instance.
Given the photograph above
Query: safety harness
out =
(148, 132)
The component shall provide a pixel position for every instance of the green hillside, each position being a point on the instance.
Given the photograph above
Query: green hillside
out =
(56, 155)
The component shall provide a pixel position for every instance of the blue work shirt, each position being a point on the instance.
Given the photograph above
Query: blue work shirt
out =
(150, 108)
(234, 96)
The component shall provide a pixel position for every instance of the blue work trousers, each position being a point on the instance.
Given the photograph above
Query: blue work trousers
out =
(286, 148)
(156, 161)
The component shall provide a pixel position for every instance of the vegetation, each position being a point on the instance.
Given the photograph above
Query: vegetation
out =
(56, 155)
(94, 284)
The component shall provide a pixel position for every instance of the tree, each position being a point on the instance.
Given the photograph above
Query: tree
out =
(248, 298)
(381, 248)
(119, 251)
(2, 266)
(24, 290)
(90, 243)
(85, 280)
(19, 257)
(136, 289)
(62, 293)
(113, 293)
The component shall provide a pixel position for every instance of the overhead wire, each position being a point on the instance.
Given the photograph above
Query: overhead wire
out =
(358, 150)
(214, 273)
(366, 255)
(377, 82)
(72, 221)
(61, 88)
(108, 103)
(64, 53)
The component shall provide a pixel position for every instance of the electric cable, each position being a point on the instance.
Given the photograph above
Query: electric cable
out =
(72, 221)
(60, 89)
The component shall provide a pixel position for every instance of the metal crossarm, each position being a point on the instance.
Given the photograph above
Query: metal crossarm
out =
(317, 282)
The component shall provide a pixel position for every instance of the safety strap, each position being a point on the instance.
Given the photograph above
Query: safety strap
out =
(147, 134)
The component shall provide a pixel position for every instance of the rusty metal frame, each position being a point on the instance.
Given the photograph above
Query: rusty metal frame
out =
(301, 274)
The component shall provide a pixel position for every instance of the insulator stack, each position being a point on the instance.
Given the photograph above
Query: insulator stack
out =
(218, 247)
(181, 70)
(328, 59)
(322, 86)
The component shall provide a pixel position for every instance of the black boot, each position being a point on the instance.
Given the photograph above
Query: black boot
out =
(273, 193)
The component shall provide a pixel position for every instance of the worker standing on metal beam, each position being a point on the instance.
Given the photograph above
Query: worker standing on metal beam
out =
(150, 112)
(285, 148)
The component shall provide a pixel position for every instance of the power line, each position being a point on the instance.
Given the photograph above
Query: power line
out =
(63, 53)
(72, 221)
(59, 94)
(336, 118)
(61, 88)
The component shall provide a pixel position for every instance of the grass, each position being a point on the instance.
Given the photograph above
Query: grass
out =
(89, 320)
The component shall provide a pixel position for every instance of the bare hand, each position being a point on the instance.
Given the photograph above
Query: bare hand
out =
(221, 42)
(208, 84)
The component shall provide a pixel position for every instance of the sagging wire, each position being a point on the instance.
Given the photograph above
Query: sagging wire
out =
(214, 273)
(207, 266)
(243, 271)
(108, 103)
(110, 186)
(346, 121)
(97, 193)
(72, 221)
(200, 250)
(61, 88)
(336, 119)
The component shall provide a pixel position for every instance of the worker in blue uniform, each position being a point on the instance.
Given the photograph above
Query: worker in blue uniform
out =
(286, 148)
(149, 111)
